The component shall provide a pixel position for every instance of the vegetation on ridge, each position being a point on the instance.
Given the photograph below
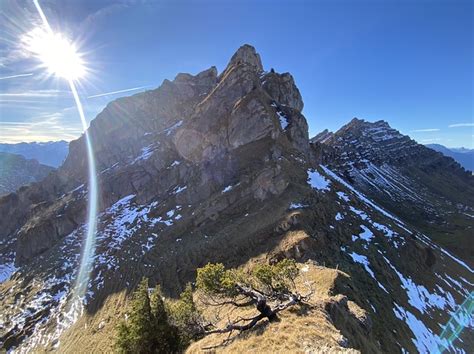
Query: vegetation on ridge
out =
(156, 325)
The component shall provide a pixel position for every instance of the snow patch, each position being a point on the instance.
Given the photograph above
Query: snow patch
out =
(425, 341)
(170, 130)
(317, 181)
(419, 297)
(145, 154)
(343, 196)
(283, 120)
(6, 271)
(179, 189)
(362, 197)
(294, 206)
(227, 189)
(366, 234)
(361, 259)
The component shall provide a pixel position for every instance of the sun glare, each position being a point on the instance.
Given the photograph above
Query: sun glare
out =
(56, 53)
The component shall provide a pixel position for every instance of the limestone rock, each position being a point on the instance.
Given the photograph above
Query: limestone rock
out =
(187, 139)
(246, 54)
(283, 89)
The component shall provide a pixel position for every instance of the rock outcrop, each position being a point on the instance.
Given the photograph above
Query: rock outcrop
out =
(153, 142)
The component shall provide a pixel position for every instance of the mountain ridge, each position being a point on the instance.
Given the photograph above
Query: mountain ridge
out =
(220, 168)
(395, 170)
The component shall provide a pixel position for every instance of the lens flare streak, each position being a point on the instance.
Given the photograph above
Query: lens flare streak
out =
(89, 242)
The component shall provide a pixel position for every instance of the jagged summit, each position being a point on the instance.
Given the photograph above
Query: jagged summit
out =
(376, 131)
(246, 54)
(190, 120)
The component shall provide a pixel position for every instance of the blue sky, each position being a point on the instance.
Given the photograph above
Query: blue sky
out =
(407, 62)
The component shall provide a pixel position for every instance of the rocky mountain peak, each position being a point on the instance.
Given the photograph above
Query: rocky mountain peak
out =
(195, 131)
(246, 54)
(377, 131)
(406, 177)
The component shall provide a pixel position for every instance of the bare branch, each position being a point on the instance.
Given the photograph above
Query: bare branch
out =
(229, 302)
(233, 327)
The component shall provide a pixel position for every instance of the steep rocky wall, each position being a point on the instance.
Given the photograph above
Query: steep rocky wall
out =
(199, 123)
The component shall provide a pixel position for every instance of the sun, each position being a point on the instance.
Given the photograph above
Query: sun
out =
(56, 53)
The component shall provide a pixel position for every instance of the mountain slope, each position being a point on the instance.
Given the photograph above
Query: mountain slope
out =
(51, 153)
(465, 157)
(430, 191)
(217, 168)
(16, 171)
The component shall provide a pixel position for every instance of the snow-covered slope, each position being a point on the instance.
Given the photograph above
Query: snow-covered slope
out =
(430, 191)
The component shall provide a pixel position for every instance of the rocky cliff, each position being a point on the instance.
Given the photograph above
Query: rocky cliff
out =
(219, 168)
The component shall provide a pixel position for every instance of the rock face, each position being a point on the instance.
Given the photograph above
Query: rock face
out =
(159, 140)
(219, 168)
(16, 171)
(425, 188)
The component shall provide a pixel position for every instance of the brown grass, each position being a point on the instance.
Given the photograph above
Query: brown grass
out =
(302, 329)
(96, 333)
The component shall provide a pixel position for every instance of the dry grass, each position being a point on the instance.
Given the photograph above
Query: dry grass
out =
(304, 329)
(96, 333)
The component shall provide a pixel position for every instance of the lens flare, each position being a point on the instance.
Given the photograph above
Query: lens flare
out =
(59, 56)
(89, 245)
(56, 53)
(458, 322)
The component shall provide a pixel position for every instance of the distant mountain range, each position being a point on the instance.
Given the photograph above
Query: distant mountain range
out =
(464, 156)
(51, 153)
(16, 171)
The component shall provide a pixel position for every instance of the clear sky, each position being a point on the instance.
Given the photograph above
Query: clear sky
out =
(407, 62)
